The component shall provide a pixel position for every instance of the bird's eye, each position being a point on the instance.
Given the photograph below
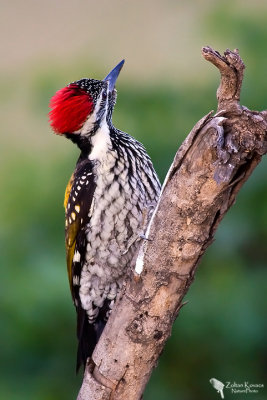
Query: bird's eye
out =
(104, 95)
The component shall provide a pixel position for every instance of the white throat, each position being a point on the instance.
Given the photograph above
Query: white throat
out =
(101, 143)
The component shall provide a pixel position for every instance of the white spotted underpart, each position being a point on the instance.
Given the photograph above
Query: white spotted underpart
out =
(119, 210)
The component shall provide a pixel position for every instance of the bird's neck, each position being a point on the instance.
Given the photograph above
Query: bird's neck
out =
(100, 143)
(94, 145)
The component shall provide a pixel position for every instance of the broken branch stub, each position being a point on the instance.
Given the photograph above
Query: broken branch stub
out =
(208, 170)
(244, 133)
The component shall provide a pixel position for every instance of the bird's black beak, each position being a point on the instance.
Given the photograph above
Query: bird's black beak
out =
(113, 75)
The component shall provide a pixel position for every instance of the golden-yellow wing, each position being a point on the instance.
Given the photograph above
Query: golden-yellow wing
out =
(77, 202)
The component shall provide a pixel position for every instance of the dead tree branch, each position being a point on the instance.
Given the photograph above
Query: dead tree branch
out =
(208, 171)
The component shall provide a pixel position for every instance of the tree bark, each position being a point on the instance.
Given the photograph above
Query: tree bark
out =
(208, 171)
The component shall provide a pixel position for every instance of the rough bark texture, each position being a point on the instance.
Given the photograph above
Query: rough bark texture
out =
(209, 169)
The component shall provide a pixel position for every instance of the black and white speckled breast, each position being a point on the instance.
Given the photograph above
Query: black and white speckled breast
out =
(122, 200)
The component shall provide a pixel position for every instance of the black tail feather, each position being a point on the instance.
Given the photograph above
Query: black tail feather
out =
(88, 336)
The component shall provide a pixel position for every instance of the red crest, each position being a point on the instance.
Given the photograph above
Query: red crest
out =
(70, 107)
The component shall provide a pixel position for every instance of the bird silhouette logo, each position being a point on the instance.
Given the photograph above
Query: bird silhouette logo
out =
(218, 385)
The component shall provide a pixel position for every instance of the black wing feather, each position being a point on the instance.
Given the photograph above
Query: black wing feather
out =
(77, 219)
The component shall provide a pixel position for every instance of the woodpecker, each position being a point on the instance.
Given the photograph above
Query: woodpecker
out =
(108, 201)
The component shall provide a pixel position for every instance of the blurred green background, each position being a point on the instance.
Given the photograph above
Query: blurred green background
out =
(165, 87)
